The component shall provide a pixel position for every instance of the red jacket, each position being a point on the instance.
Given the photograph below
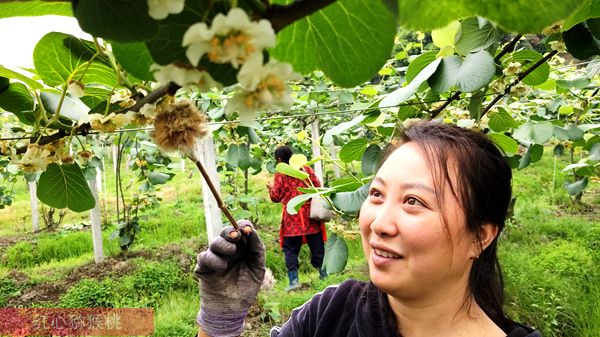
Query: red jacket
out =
(284, 189)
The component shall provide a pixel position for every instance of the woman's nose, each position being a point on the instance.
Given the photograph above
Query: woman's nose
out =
(384, 222)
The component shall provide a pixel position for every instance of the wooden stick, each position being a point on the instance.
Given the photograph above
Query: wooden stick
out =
(214, 192)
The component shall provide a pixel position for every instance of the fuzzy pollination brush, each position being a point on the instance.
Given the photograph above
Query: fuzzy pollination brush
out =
(177, 127)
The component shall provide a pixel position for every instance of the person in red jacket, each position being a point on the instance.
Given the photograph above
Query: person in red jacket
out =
(298, 228)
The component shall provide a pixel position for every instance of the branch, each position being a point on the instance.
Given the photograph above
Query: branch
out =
(214, 192)
(452, 98)
(84, 129)
(518, 79)
(456, 95)
(508, 47)
(283, 16)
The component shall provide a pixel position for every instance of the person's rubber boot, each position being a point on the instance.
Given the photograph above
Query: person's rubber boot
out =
(322, 274)
(294, 284)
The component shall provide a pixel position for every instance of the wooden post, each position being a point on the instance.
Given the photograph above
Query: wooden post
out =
(96, 224)
(317, 150)
(212, 213)
(33, 201)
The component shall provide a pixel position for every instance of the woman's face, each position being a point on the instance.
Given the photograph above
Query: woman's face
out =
(411, 253)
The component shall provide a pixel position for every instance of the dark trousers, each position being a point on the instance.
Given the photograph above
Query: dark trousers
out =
(291, 249)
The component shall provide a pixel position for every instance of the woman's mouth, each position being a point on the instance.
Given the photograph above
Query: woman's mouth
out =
(386, 254)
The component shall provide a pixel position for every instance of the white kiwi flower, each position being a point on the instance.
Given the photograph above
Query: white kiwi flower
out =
(229, 39)
(184, 76)
(261, 87)
(160, 9)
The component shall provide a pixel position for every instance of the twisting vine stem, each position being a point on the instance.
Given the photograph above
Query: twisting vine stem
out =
(517, 80)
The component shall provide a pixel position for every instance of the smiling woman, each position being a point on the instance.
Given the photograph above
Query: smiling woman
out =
(429, 229)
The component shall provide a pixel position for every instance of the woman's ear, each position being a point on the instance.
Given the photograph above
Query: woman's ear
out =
(487, 233)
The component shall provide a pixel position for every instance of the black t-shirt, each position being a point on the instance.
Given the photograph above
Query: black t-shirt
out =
(353, 309)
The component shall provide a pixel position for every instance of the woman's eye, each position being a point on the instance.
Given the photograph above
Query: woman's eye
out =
(375, 193)
(413, 201)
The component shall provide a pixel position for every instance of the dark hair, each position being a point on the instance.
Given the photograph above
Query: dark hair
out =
(283, 153)
(483, 190)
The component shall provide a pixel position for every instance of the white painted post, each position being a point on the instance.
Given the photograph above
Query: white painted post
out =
(98, 179)
(212, 213)
(115, 154)
(333, 153)
(96, 224)
(33, 201)
(316, 149)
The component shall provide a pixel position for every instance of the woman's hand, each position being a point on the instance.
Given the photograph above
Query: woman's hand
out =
(231, 272)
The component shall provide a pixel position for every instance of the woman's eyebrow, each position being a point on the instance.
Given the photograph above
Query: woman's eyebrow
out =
(418, 186)
(409, 185)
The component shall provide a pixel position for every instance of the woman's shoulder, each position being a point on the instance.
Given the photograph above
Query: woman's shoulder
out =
(343, 292)
(520, 330)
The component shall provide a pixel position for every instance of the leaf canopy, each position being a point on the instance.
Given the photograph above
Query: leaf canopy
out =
(336, 39)
(518, 16)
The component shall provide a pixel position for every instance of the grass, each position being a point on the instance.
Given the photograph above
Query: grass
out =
(549, 252)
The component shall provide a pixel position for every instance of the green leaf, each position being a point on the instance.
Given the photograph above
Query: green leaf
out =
(578, 83)
(338, 129)
(519, 16)
(402, 94)
(474, 37)
(532, 155)
(290, 171)
(369, 91)
(417, 65)
(534, 132)
(298, 161)
(16, 99)
(293, 206)
(589, 9)
(470, 74)
(370, 159)
(581, 41)
(238, 156)
(351, 202)
(63, 186)
(337, 37)
(72, 108)
(336, 254)
(501, 121)
(157, 178)
(245, 161)
(445, 36)
(574, 132)
(345, 185)
(4, 83)
(507, 144)
(527, 58)
(475, 104)
(134, 58)
(353, 150)
(558, 150)
(34, 8)
(565, 110)
(595, 152)
(122, 20)
(17, 76)
(59, 57)
(576, 187)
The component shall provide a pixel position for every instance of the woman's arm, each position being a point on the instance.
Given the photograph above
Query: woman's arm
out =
(276, 191)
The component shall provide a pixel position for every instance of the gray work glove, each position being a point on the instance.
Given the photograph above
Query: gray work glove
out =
(231, 272)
